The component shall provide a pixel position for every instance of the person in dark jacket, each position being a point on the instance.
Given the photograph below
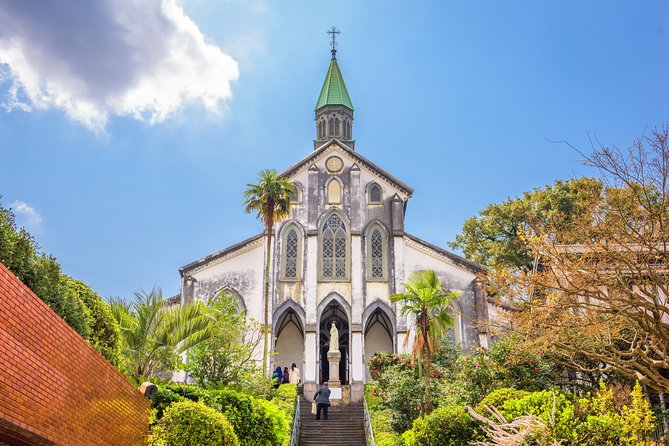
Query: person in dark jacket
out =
(277, 377)
(322, 398)
(285, 377)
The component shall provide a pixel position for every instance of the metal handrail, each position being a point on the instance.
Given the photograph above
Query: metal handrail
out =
(369, 432)
(294, 435)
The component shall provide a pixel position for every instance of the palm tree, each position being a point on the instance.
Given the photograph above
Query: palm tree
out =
(270, 199)
(427, 303)
(154, 334)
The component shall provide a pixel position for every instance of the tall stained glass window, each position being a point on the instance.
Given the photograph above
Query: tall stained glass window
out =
(291, 254)
(377, 254)
(334, 248)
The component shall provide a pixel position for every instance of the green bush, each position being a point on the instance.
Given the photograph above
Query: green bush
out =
(163, 399)
(285, 398)
(40, 272)
(446, 426)
(384, 435)
(496, 398)
(554, 408)
(388, 439)
(104, 332)
(257, 422)
(188, 423)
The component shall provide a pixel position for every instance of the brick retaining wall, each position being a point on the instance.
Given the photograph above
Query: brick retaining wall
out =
(54, 387)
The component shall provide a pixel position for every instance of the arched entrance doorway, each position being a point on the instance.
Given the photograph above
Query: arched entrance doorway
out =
(378, 335)
(334, 313)
(289, 334)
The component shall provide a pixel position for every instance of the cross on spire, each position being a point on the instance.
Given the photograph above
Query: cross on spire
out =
(334, 32)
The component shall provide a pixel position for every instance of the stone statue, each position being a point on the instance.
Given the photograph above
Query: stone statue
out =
(334, 339)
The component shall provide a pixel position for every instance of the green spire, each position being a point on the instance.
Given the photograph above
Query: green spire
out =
(334, 90)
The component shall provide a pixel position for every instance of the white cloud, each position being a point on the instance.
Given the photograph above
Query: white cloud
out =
(93, 59)
(27, 216)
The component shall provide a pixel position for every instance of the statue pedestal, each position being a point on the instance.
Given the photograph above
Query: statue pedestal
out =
(334, 358)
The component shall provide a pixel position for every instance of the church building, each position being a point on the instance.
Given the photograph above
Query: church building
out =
(337, 258)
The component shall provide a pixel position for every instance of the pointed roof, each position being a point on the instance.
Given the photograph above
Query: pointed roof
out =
(356, 157)
(334, 90)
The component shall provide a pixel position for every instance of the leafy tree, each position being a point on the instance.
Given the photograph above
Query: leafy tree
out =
(270, 198)
(427, 304)
(498, 237)
(594, 295)
(227, 356)
(40, 272)
(154, 334)
(104, 331)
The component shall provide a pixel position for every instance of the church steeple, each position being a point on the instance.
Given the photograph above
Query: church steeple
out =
(334, 109)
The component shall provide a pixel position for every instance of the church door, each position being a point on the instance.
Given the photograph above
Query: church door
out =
(333, 312)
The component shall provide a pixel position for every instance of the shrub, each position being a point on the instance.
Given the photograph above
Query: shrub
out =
(188, 423)
(638, 419)
(40, 272)
(285, 399)
(552, 407)
(104, 332)
(384, 435)
(163, 399)
(256, 422)
(447, 426)
(496, 398)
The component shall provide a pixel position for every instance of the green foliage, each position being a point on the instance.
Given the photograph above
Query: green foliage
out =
(104, 331)
(426, 303)
(639, 419)
(400, 390)
(285, 398)
(74, 301)
(500, 366)
(154, 334)
(498, 236)
(163, 399)
(554, 408)
(270, 199)
(223, 358)
(446, 426)
(188, 423)
(496, 398)
(591, 421)
(256, 421)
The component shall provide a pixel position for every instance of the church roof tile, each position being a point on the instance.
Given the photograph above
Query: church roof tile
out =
(334, 90)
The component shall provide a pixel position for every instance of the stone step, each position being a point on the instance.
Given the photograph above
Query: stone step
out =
(344, 426)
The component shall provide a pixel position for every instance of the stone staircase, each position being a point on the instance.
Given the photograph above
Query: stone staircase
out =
(344, 426)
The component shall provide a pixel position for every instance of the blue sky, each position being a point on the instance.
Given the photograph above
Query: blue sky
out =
(127, 136)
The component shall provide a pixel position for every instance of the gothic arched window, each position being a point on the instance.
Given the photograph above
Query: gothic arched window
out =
(291, 254)
(334, 192)
(376, 253)
(290, 259)
(336, 132)
(375, 194)
(331, 127)
(334, 248)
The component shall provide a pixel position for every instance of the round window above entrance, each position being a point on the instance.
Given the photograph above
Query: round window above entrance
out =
(334, 164)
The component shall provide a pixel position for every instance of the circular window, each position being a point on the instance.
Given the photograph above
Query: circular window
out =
(334, 164)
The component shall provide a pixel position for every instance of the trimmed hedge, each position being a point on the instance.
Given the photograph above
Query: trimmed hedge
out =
(257, 422)
(188, 423)
(446, 426)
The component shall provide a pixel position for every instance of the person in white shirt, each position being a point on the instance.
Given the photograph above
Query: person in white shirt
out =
(295, 377)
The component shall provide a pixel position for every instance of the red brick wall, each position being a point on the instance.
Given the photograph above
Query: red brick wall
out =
(54, 387)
